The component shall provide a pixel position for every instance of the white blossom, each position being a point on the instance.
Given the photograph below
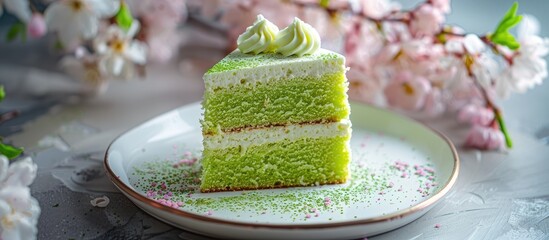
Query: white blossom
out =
(528, 68)
(76, 20)
(19, 211)
(473, 44)
(83, 67)
(119, 53)
(485, 68)
(19, 8)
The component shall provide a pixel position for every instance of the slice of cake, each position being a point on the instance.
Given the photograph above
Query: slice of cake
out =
(276, 112)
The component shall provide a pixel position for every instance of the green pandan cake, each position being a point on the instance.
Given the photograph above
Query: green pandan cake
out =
(276, 112)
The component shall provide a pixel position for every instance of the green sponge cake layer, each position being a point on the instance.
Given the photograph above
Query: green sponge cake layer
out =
(317, 155)
(297, 100)
(244, 90)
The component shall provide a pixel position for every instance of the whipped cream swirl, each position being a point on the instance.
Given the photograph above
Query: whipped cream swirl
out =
(259, 37)
(297, 39)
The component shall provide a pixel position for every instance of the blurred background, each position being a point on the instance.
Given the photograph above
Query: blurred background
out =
(65, 116)
(35, 80)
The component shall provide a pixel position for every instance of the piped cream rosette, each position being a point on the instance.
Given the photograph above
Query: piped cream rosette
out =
(299, 38)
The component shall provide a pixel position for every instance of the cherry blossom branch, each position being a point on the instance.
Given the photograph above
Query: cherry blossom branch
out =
(498, 115)
(332, 10)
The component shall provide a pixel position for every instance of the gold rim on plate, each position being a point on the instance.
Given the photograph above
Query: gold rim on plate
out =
(400, 214)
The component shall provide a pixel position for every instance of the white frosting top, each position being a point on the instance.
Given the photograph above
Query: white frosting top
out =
(314, 65)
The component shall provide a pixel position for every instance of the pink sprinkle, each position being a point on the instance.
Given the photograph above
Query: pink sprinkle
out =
(153, 184)
(327, 203)
(431, 178)
(416, 166)
(420, 172)
(420, 190)
(209, 212)
(438, 225)
(166, 196)
(187, 161)
(316, 215)
(307, 215)
(187, 153)
(151, 193)
(163, 186)
(429, 170)
(391, 184)
(327, 199)
(404, 175)
(179, 204)
(170, 194)
(362, 145)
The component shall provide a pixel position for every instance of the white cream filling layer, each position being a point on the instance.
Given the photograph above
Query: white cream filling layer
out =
(254, 137)
(250, 77)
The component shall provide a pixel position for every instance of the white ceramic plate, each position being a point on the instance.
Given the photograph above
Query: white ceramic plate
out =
(400, 169)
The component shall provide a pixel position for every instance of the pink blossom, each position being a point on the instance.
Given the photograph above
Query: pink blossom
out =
(426, 21)
(362, 42)
(208, 9)
(327, 26)
(434, 104)
(378, 8)
(36, 26)
(441, 5)
(162, 45)
(485, 138)
(160, 19)
(475, 114)
(364, 87)
(418, 56)
(407, 91)
(160, 14)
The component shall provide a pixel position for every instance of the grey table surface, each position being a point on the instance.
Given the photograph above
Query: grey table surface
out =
(498, 195)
